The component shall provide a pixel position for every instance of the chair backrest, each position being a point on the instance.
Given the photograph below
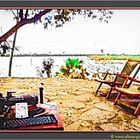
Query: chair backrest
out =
(127, 70)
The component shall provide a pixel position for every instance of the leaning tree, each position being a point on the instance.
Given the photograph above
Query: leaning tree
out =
(47, 17)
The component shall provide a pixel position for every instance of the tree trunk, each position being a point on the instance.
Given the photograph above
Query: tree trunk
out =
(11, 56)
(15, 29)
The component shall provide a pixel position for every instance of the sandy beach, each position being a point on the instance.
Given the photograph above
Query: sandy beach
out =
(80, 109)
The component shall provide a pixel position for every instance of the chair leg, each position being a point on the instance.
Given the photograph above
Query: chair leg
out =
(137, 110)
(101, 83)
(98, 88)
(107, 96)
(118, 96)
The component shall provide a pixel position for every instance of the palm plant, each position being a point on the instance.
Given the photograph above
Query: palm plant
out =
(73, 63)
(70, 65)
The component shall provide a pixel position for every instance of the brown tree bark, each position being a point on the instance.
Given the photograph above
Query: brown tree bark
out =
(12, 53)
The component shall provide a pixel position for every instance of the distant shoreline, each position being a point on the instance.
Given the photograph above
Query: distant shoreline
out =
(96, 57)
(43, 55)
(88, 55)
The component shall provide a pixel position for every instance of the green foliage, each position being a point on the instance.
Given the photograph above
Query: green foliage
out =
(62, 70)
(73, 63)
(59, 17)
(118, 57)
(56, 74)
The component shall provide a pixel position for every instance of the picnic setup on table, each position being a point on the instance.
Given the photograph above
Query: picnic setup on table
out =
(27, 112)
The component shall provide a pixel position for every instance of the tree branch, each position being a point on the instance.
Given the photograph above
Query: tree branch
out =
(26, 14)
(36, 17)
(13, 13)
(23, 22)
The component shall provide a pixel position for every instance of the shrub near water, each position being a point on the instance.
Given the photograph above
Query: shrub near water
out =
(73, 63)
(72, 68)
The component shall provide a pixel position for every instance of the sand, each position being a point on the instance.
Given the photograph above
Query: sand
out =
(80, 109)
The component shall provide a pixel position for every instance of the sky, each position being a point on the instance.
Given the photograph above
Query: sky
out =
(83, 36)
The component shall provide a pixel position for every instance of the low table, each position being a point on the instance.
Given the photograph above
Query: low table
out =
(50, 108)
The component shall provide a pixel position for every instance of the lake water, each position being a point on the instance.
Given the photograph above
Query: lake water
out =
(28, 66)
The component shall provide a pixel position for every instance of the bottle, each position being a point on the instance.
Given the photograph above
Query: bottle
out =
(41, 88)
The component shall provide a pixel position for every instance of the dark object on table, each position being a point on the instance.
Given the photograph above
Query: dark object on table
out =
(16, 123)
(9, 100)
(1, 111)
(36, 111)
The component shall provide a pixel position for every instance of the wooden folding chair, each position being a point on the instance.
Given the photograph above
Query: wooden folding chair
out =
(132, 94)
(119, 78)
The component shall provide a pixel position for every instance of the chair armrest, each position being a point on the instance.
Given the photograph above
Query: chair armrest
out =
(133, 79)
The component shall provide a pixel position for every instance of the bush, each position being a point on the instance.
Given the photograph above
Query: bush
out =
(70, 66)
(76, 63)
